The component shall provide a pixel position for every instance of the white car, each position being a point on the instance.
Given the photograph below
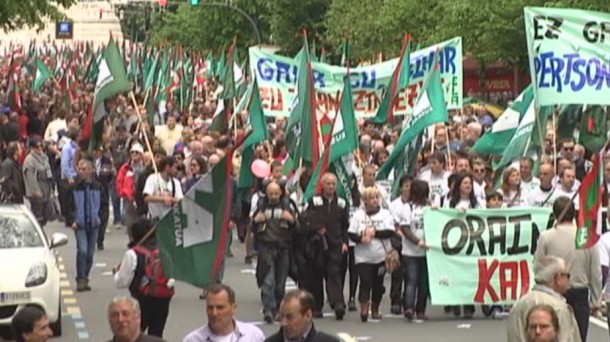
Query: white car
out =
(29, 266)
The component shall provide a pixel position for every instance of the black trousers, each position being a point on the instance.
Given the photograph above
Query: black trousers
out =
(63, 191)
(314, 277)
(154, 314)
(102, 232)
(349, 265)
(396, 287)
(371, 282)
(578, 299)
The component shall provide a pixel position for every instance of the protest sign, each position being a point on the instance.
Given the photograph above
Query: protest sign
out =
(568, 55)
(277, 76)
(482, 256)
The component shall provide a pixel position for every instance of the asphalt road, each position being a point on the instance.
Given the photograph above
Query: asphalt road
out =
(85, 313)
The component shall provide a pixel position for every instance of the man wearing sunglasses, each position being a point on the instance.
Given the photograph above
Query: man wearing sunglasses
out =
(583, 264)
(552, 281)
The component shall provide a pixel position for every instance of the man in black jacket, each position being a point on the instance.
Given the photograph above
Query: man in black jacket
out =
(296, 313)
(11, 177)
(331, 230)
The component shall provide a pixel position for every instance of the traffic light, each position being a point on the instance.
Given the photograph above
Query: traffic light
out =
(194, 2)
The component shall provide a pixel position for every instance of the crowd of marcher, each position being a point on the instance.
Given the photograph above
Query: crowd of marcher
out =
(143, 168)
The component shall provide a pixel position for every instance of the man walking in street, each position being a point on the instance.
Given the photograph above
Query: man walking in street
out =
(296, 317)
(552, 281)
(222, 325)
(124, 318)
(333, 213)
(162, 190)
(69, 174)
(585, 282)
(86, 206)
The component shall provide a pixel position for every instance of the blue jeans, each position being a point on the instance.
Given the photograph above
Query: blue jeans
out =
(86, 240)
(273, 287)
(116, 203)
(416, 283)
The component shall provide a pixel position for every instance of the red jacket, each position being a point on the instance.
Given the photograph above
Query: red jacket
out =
(125, 182)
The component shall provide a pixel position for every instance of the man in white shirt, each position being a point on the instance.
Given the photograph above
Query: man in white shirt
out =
(368, 181)
(528, 181)
(478, 176)
(544, 195)
(170, 134)
(436, 177)
(162, 190)
(566, 186)
(56, 125)
(221, 307)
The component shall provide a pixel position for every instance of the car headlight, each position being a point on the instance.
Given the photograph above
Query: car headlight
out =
(37, 275)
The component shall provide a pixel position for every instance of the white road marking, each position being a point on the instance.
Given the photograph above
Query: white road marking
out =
(100, 265)
(600, 323)
(464, 326)
(345, 337)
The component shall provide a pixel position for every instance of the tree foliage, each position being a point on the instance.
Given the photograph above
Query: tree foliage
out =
(17, 14)
(491, 30)
(210, 27)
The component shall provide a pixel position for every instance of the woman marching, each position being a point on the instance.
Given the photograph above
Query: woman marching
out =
(371, 228)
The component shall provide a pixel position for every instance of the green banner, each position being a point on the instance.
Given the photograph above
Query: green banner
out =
(482, 256)
(568, 54)
(276, 76)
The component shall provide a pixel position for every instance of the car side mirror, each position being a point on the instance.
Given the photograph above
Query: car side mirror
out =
(58, 240)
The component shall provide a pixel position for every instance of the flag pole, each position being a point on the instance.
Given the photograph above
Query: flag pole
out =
(540, 133)
(147, 141)
(555, 140)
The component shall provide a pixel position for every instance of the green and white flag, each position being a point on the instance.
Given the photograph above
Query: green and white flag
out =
(42, 75)
(341, 140)
(495, 141)
(193, 235)
(430, 108)
(518, 144)
(111, 80)
(259, 134)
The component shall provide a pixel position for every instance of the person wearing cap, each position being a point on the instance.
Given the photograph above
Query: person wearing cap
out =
(38, 180)
(126, 180)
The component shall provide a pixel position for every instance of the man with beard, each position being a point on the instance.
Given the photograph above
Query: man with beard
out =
(162, 190)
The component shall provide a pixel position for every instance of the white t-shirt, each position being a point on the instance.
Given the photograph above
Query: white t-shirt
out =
(479, 191)
(514, 199)
(527, 186)
(539, 198)
(374, 252)
(54, 126)
(557, 183)
(416, 224)
(155, 185)
(438, 184)
(559, 192)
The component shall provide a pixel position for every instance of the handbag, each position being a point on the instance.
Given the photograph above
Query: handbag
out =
(392, 258)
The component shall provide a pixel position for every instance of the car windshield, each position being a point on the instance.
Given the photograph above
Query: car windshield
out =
(17, 231)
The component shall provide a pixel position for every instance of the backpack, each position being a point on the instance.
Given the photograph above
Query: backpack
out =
(154, 281)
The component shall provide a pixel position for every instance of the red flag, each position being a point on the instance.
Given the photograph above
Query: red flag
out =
(590, 200)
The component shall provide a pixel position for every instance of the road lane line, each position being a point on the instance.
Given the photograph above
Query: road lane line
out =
(600, 323)
(70, 303)
(69, 300)
(345, 337)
